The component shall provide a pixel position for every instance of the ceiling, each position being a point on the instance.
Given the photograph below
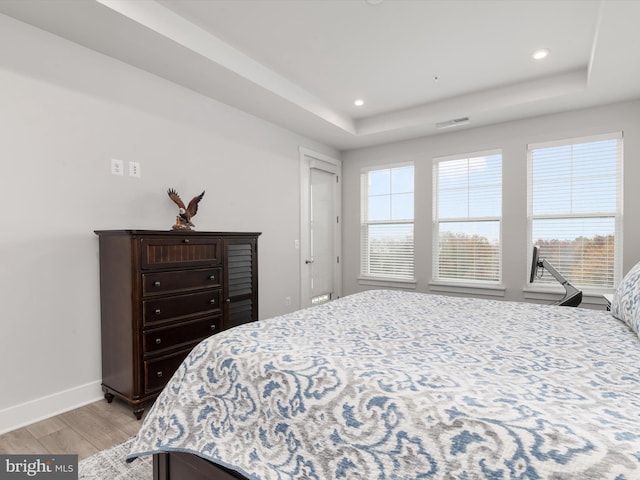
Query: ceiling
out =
(302, 63)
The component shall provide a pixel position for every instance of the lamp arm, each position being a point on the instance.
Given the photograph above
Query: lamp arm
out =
(570, 290)
(556, 274)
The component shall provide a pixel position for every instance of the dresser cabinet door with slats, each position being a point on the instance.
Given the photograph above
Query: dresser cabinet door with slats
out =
(161, 293)
(241, 281)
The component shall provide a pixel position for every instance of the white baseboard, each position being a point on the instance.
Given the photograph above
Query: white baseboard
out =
(33, 411)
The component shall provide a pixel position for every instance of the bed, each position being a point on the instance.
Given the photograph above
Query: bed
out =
(400, 385)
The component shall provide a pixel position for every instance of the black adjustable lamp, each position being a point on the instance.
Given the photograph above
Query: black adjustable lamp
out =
(572, 296)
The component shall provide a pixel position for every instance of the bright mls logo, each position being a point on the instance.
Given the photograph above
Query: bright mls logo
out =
(51, 467)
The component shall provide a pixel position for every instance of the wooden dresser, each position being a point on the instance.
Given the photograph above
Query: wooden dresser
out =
(161, 292)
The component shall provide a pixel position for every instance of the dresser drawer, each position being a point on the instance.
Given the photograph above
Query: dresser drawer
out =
(186, 333)
(178, 251)
(181, 280)
(157, 372)
(181, 306)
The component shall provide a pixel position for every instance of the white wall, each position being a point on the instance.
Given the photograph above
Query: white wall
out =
(65, 112)
(512, 138)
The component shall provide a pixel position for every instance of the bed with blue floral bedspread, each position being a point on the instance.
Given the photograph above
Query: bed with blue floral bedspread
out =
(385, 385)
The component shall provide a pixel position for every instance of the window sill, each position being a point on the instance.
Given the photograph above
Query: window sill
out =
(469, 289)
(550, 295)
(387, 282)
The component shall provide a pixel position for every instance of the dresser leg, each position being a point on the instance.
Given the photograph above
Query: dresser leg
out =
(108, 396)
(138, 413)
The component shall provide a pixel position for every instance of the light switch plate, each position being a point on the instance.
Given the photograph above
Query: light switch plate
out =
(117, 167)
(134, 169)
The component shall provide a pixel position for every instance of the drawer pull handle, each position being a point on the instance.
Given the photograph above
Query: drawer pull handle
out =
(212, 301)
(158, 341)
(228, 300)
(186, 240)
(156, 284)
(159, 374)
(157, 312)
(213, 327)
(212, 277)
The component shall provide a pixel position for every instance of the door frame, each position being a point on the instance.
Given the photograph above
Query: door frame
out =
(307, 158)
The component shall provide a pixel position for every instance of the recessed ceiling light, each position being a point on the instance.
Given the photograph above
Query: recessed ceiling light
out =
(359, 102)
(540, 53)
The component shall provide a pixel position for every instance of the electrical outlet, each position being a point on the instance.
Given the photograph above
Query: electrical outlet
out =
(287, 301)
(296, 244)
(134, 169)
(117, 167)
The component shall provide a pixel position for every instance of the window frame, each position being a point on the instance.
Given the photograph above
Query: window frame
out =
(465, 286)
(381, 280)
(532, 288)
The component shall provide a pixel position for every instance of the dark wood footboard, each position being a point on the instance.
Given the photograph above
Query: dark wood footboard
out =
(186, 466)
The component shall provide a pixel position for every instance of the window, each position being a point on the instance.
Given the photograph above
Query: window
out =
(575, 207)
(467, 212)
(386, 227)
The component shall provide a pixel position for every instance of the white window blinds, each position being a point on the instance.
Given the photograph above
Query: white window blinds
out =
(386, 227)
(575, 208)
(467, 216)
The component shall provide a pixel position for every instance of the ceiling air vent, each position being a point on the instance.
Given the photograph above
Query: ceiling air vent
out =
(452, 123)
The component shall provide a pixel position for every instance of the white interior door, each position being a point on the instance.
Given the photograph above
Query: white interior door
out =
(320, 275)
(322, 257)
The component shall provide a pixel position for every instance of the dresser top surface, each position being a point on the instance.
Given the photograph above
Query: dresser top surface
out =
(175, 232)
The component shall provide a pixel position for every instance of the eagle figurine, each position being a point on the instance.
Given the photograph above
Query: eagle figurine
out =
(183, 220)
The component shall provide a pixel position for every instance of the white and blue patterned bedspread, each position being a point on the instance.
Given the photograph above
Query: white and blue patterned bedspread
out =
(386, 385)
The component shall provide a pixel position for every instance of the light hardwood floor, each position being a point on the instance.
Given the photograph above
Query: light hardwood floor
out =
(83, 431)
